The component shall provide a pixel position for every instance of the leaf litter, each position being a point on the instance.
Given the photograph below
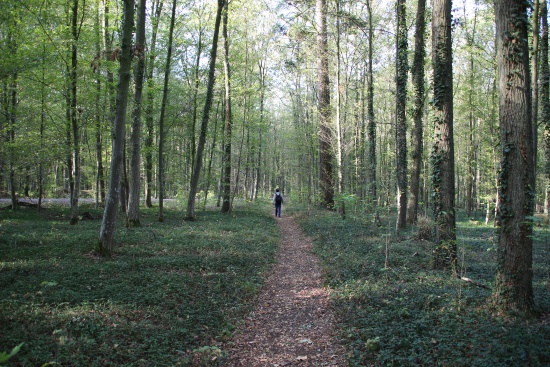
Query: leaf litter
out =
(292, 323)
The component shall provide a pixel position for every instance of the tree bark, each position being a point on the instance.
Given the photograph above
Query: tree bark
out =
(226, 182)
(371, 125)
(514, 289)
(135, 141)
(545, 99)
(161, 181)
(400, 113)
(190, 215)
(75, 175)
(417, 140)
(108, 223)
(442, 155)
(326, 152)
(150, 98)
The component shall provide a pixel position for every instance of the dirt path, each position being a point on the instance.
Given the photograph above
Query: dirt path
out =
(293, 323)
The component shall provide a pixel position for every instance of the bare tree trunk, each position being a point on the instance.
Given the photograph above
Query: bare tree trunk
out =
(135, 141)
(371, 126)
(150, 97)
(514, 279)
(226, 183)
(400, 113)
(75, 184)
(205, 116)
(326, 153)
(108, 224)
(417, 141)
(442, 156)
(161, 181)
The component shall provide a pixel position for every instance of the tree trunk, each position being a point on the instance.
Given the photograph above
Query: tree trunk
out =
(545, 99)
(150, 98)
(326, 152)
(161, 181)
(514, 289)
(534, 81)
(75, 184)
(226, 183)
(135, 141)
(417, 141)
(400, 114)
(442, 155)
(108, 224)
(205, 116)
(371, 125)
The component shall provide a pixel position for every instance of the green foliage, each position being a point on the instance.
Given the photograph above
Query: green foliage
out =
(170, 288)
(4, 357)
(412, 315)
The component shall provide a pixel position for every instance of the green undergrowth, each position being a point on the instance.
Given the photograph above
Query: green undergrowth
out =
(394, 310)
(171, 295)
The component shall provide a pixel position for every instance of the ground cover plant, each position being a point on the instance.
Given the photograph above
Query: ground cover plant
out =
(394, 310)
(171, 294)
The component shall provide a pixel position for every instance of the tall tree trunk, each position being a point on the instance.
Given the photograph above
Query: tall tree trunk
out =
(545, 99)
(73, 116)
(534, 80)
(100, 180)
(471, 167)
(514, 279)
(226, 183)
(108, 224)
(371, 125)
(12, 113)
(150, 98)
(400, 114)
(161, 181)
(190, 215)
(263, 74)
(417, 139)
(135, 141)
(339, 148)
(326, 152)
(442, 155)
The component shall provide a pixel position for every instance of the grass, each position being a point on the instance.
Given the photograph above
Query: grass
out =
(406, 314)
(172, 291)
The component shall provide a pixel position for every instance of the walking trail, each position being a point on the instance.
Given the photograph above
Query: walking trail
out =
(292, 323)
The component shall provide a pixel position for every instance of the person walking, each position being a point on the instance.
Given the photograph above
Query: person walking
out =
(278, 202)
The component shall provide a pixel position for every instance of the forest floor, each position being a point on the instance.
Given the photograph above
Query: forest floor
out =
(292, 323)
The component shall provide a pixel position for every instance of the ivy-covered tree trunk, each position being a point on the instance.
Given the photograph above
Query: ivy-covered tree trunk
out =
(197, 166)
(326, 151)
(442, 155)
(226, 182)
(135, 140)
(417, 139)
(400, 113)
(108, 224)
(514, 289)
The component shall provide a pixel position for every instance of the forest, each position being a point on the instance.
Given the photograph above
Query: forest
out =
(134, 123)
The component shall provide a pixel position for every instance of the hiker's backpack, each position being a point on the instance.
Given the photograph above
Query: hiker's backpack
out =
(278, 198)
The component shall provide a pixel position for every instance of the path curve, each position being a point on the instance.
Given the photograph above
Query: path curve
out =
(292, 323)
